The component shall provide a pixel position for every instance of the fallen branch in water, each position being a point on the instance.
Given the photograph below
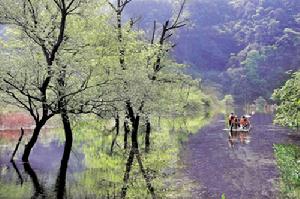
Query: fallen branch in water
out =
(17, 146)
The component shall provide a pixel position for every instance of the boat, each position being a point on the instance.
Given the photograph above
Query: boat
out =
(239, 129)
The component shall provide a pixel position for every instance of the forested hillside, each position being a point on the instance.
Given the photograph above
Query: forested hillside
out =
(235, 43)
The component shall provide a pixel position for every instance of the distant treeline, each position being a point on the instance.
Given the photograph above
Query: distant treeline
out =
(246, 46)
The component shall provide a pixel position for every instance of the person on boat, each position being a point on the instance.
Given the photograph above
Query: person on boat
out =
(244, 122)
(230, 119)
(235, 123)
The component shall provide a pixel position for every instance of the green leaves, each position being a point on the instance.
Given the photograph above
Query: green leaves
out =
(288, 97)
(269, 38)
(288, 161)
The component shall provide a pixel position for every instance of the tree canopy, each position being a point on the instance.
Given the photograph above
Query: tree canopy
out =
(288, 97)
(223, 36)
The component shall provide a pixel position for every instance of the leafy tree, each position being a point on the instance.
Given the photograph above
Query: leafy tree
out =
(228, 100)
(51, 71)
(288, 98)
(287, 158)
(260, 103)
(153, 69)
(82, 64)
(45, 30)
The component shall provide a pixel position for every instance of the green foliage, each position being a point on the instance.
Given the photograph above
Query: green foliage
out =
(260, 103)
(223, 196)
(9, 190)
(228, 100)
(89, 60)
(269, 38)
(224, 33)
(34, 60)
(288, 98)
(288, 161)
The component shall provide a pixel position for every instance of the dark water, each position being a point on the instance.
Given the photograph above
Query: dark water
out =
(241, 166)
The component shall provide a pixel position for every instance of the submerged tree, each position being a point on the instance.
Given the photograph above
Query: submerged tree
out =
(43, 25)
(51, 70)
(67, 59)
(146, 70)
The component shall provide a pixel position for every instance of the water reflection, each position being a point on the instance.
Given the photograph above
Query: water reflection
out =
(39, 191)
(61, 177)
(238, 137)
(17, 171)
(60, 186)
(90, 171)
(134, 152)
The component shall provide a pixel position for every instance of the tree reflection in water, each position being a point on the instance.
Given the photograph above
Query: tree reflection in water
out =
(60, 185)
(135, 152)
(95, 173)
(38, 188)
(238, 136)
(17, 171)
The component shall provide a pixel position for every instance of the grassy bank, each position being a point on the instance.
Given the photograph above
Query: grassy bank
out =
(288, 161)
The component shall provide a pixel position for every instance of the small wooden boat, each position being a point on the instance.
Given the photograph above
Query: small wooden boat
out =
(239, 129)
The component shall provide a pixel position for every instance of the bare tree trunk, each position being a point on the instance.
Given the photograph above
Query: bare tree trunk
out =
(61, 178)
(135, 121)
(126, 132)
(39, 125)
(68, 135)
(117, 126)
(17, 171)
(62, 106)
(120, 38)
(134, 132)
(17, 146)
(147, 136)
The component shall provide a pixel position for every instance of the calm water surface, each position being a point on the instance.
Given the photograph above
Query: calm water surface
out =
(190, 158)
(92, 171)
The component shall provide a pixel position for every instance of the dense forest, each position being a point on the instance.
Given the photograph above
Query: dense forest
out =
(235, 44)
(131, 98)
